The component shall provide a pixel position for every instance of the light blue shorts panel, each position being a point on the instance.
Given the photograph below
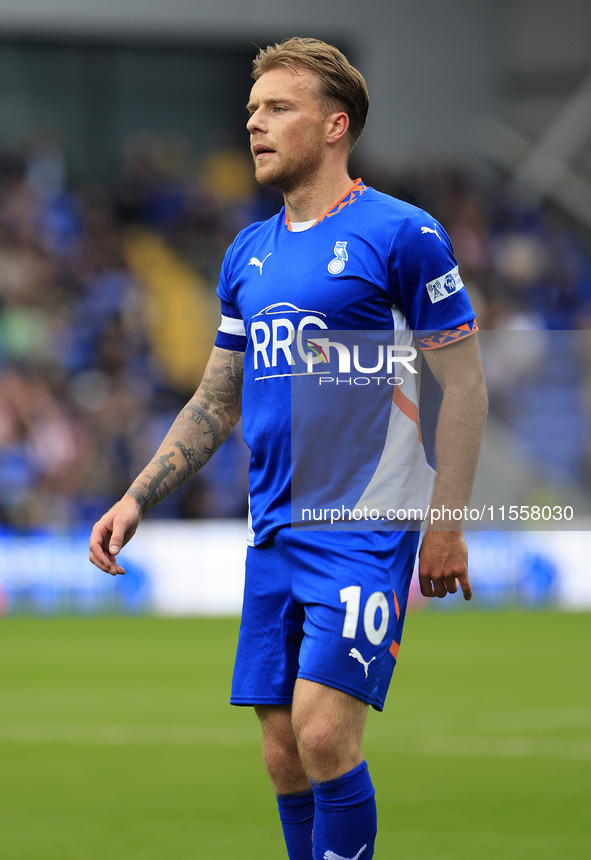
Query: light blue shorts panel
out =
(325, 606)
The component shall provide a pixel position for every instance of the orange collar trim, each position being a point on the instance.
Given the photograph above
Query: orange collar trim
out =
(353, 194)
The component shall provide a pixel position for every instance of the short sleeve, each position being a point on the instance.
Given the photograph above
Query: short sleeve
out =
(231, 332)
(425, 283)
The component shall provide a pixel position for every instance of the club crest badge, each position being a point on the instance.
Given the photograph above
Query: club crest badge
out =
(336, 266)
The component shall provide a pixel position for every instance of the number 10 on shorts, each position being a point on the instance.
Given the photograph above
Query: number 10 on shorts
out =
(351, 596)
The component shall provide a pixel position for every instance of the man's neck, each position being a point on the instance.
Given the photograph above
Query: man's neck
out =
(312, 200)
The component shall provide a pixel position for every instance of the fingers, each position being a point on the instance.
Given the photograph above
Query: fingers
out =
(104, 559)
(106, 563)
(443, 565)
(112, 532)
(432, 586)
(116, 542)
(442, 585)
(466, 588)
(103, 547)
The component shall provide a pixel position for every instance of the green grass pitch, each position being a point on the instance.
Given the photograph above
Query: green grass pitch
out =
(117, 741)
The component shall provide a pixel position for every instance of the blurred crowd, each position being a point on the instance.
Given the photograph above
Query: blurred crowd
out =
(528, 272)
(108, 311)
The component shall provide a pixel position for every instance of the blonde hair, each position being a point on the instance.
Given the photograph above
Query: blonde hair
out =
(340, 85)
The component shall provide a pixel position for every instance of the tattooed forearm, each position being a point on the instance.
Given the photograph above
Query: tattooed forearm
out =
(154, 491)
(198, 431)
(201, 420)
(234, 379)
(226, 368)
(193, 461)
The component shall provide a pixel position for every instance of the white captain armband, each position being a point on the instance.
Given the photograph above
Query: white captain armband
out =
(230, 325)
(231, 334)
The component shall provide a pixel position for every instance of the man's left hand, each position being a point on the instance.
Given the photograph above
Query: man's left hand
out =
(443, 564)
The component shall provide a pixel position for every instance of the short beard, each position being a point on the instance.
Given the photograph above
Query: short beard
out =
(292, 176)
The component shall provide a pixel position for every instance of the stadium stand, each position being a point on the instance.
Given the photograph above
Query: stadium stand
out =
(108, 310)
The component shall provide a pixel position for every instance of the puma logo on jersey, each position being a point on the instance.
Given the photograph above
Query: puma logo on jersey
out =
(357, 656)
(330, 855)
(425, 230)
(256, 262)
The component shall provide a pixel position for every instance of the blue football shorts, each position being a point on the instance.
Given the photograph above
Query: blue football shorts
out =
(325, 606)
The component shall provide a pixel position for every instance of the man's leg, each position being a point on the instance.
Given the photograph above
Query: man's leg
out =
(292, 787)
(318, 740)
(347, 593)
(328, 725)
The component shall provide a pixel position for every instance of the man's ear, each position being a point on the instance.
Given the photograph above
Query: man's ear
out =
(338, 127)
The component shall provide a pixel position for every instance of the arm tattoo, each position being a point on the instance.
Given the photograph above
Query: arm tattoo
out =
(190, 455)
(154, 491)
(233, 379)
(199, 429)
(198, 416)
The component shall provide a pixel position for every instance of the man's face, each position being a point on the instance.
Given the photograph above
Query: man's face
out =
(287, 128)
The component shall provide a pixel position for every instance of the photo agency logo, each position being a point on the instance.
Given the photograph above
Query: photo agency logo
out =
(291, 341)
(359, 363)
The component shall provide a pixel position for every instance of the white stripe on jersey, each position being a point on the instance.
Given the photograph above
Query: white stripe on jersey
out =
(410, 483)
(230, 325)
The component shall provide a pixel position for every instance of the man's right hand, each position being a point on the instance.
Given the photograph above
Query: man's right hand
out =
(112, 532)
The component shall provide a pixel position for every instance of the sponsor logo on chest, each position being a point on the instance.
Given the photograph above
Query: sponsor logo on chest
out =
(274, 329)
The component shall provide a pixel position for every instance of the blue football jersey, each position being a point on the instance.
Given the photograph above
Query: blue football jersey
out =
(370, 264)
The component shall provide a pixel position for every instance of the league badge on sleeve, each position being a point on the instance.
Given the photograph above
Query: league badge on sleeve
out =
(444, 286)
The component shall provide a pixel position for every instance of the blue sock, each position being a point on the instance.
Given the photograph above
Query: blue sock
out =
(296, 812)
(345, 823)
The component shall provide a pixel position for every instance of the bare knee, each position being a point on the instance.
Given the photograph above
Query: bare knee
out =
(280, 750)
(320, 746)
(328, 725)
